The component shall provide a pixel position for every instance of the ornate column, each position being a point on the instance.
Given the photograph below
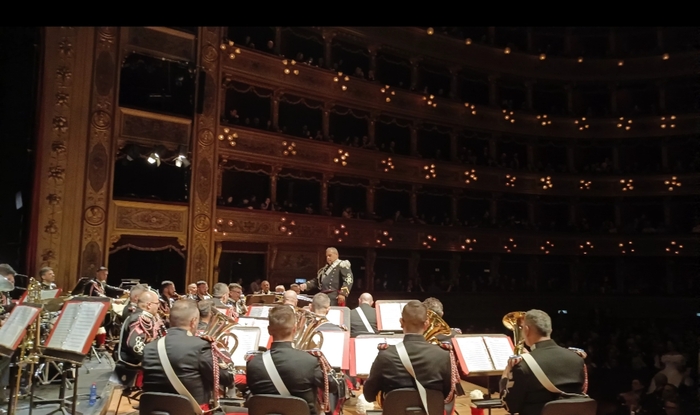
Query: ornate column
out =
(493, 90)
(612, 87)
(277, 49)
(616, 156)
(414, 200)
(59, 173)
(573, 209)
(531, 209)
(370, 259)
(454, 82)
(662, 94)
(414, 138)
(327, 48)
(324, 192)
(531, 155)
(413, 266)
(529, 102)
(668, 222)
(97, 195)
(454, 205)
(454, 146)
(371, 192)
(493, 208)
(569, 98)
(415, 73)
(275, 108)
(664, 154)
(273, 183)
(493, 145)
(200, 241)
(570, 158)
(371, 127)
(495, 274)
(618, 212)
(326, 121)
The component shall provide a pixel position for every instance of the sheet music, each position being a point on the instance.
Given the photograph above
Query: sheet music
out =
(333, 347)
(475, 354)
(75, 325)
(248, 340)
(16, 324)
(365, 353)
(391, 314)
(257, 322)
(500, 350)
(260, 311)
(335, 317)
(48, 294)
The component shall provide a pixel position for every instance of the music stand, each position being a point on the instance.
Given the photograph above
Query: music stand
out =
(260, 299)
(80, 286)
(389, 315)
(482, 355)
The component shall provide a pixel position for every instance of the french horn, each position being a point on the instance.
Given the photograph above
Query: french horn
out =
(514, 321)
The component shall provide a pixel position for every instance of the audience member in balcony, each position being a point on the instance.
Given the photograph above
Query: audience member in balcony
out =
(266, 205)
(233, 117)
(348, 213)
(309, 210)
(319, 136)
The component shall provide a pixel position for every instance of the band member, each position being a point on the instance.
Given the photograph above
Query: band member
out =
(265, 288)
(142, 327)
(202, 292)
(98, 287)
(435, 305)
(279, 289)
(134, 295)
(295, 288)
(205, 307)
(6, 298)
(363, 319)
(236, 299)
(191, 358)
(335, 279)
(432, 365)
(321, 305)
(47, 277)
(167, 298)
(290, 298)
(300, 371)
(522, 392)
(192, 290)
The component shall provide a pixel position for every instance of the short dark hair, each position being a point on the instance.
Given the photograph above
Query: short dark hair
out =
(6, 269)
(282, 319)
(44, 271)
(414, 313)
(205, 307)
(182, 312)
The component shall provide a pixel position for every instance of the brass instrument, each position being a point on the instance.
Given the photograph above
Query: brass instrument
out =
(219, 329)
(514, 321)
(307, 329)
(29, 348)
(437, 326)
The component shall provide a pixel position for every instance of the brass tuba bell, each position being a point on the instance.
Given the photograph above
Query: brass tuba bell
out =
(219, 329)
(437, 326)
(307, 330)
(514, 321)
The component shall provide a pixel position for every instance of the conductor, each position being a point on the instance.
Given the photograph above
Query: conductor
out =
(335, 279)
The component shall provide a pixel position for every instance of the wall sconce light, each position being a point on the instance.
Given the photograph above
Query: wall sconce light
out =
(672, 183)
(585, 185)
(430, 31)
(430, 100)
(510, 245)
(547, 247)
(626, 185)
(219, 226)
(467, 246)
(580, 59)
(230, 136)
(506, 51)
(342, 158)
(234, 51)
(665, 56)
(674, 248)
(586, 247)
(289, 67)
(388, 165)
(510, 180)
(543, 119)
(287, 226)
(508, 116)
(471, 108)
(668, 121)
(468, 41)
(543, 56)
(341, 80)
(386, 91)
(429, 240)
(582, 125)
(626, 125)
(626, 247)
(289, 149)
(340, 232)
(384, 238)
(429, 171)
(546, 182)
(620, 63)
(470, 176)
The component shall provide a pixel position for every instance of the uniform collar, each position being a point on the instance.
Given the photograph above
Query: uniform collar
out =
(544, 344)
(412, 337)
(281, 345)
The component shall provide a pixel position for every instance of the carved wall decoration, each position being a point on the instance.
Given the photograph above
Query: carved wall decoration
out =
(204, 180)
(295, 261)
(162, 41)
(97, 167)
(149, 219)
(156, 128)
(94, 215)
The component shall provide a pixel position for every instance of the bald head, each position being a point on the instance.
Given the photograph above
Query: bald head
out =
(414, 317)
(366, 298)
(290, 297)
(148, 301)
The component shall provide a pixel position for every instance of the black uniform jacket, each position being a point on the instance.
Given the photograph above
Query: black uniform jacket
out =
(191, 359)
(357, 327)
(564, 368)
(430, 362)
(300, 372)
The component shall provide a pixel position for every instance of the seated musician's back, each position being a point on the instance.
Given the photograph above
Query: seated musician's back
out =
(299, 371)
(189, 355)
(431, 363)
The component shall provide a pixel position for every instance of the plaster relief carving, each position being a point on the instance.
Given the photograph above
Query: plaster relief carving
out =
(156, 220)
(94, 215)
(97, 173)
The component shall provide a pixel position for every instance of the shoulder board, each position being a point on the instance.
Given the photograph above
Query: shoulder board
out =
(446, 345)
(579, 352)
(382, 346)
(250, 355)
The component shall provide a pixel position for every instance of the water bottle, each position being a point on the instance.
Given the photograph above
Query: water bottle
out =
(93, 395)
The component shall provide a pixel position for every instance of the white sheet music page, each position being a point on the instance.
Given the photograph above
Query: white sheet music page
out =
(48, 294)
(335, 317)
(248, 340)
(259, 311)
(390, 314)
(62, 329)
(16, 325)
(500, 350)
(333, 347)
(475, 354)
(264, 335)
(88, 311)
(365, 353)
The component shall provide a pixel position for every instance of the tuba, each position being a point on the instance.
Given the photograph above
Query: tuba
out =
(437, 326)
(514, 321)
(219, 329)
(307, 325)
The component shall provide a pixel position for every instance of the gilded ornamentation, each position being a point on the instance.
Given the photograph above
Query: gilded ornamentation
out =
(94, 215)
(204, 174)
(60, 124)
(107, 31)
(64, 74)
(53, 199)
(155, 220)
(202, 223)
(294, 261)
(58, 147)
(206, 138)
(97, 167)
(66, 47)
(200, 263)
(57, 173)
(48, 255)
(51, 227)
(101, 120)
(62, 99)
(210, 53)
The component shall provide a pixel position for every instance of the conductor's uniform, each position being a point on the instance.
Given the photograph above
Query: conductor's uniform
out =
(333, 279)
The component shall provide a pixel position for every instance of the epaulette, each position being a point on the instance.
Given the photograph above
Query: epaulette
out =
(250, 355)
(382, 346)
(579, 352)
(446, 345)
